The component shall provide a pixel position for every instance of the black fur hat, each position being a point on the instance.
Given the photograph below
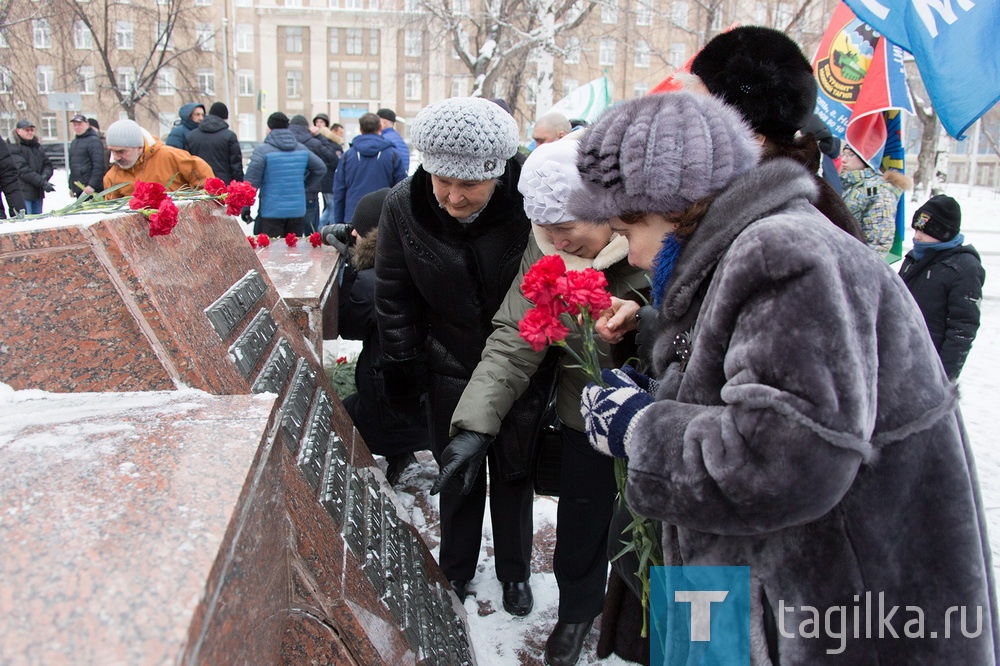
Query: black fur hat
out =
(763, 73)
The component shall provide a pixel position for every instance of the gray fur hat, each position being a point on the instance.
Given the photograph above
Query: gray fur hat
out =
(468, 138)
(660, 154)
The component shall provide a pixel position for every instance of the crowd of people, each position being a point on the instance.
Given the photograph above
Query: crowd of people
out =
(783, 400)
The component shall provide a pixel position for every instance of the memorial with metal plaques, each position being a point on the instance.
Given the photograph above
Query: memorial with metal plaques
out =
(317, 560)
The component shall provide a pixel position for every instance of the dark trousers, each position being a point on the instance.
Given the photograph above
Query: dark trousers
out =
(462, 526)
(279, 227)
(311, 221)
(32, 206)
(586, 500)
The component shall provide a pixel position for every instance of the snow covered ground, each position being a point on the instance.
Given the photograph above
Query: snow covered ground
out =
(502, 640)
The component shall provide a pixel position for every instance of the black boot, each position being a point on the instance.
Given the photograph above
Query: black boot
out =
(517, 599)
(566, 642)
(461, 588)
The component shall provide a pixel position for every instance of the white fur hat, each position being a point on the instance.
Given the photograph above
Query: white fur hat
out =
(548, 177)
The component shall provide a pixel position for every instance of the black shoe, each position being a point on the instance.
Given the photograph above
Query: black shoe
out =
(517, 599)
(397, 465)
(566, 642)
(461, 588)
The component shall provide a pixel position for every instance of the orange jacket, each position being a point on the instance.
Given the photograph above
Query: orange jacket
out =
(158, 164)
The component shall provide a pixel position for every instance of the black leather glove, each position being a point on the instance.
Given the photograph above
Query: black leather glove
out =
(49, 187)
(337, 235)
(463, 455)
(245, 214)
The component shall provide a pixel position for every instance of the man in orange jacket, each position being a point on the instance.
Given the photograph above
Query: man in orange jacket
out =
(137, 155)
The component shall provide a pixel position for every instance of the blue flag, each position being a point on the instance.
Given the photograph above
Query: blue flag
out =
(954, 43)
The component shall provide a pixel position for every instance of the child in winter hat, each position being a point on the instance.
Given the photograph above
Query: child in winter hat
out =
(468, 138)
(940, 218)
(660, 154)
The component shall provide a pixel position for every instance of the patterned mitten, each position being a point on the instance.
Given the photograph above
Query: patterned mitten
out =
(610, 413)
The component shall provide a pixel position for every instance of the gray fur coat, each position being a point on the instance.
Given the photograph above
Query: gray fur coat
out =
(812, 436)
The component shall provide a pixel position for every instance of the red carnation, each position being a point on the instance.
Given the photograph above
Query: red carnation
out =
(315, 240)
(545, 280)
(163, 221)
(238, 195)
(587, 289)
(263, 240)
(341, 360)
(147, 195)
(291, 240)
(215, 186)
(540, 328)
(253, 241)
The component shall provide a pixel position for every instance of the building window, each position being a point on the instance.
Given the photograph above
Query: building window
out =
(82, 37)
(572, 50)
(45, 78)
(413, 43)
(642, 53)
(293, 40)
(4, 44)
(85, 79)
(205, 36)
(609, 11)
(677, 56)
(569, 85)
(164, 35)
(679, 15)
(354, 42)
(126, 80)
(640, 89)
(461, 7)
(244, 38)
(354, 4)
(459, 86)
(166, 81)
(531, 93)
(607, 53)
(293, 83)
(334, 91)
(244, 3)
(206, 81)
(373, 39)
(166, 122)
(42, 33)
(244, 83)
(782, 15)
(333, 39)
(333, 4)
(373, 85)
(373, 5)
(644, 12)
(293, 3)
(48, 126)
(123, 35)
(248, 125)
(353, 84)
(412, 87)
(760, 13)
(6, 81)
(717, 20)
(202, 3)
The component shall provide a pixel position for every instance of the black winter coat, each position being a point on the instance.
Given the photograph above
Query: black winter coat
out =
(218, 145)
(34, 167)
(948, 287)
(438, 283)
(323, 148)
(87, 163)
(10, 183)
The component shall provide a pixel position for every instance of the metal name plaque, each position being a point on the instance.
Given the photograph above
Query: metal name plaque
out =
(296, 405)
(276, 369)
(250, 346)
(314, 448)
(334, 494)
(233, 305)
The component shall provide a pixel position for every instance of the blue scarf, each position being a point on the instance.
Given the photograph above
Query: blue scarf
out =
(663, 267)
(920, 248)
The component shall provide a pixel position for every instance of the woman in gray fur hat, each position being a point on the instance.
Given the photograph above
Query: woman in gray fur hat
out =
(786, 434)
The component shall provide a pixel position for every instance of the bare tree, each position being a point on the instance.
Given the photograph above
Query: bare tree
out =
(932, 160)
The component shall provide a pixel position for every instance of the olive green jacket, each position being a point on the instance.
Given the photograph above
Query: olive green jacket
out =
(508, 362)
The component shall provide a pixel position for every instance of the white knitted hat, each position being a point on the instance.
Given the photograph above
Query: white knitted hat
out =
(548, 177)
(468, 138)
(124, 133)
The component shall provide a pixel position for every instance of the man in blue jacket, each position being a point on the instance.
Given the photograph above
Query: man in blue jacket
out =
(282, 169)
(387, 120)
(191, 115)
(370, 164)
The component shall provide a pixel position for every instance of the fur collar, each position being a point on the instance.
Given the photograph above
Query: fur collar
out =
(363, 252)
(753, 195)
(613, 252)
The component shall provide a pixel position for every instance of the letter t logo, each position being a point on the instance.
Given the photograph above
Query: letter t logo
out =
(701, 610)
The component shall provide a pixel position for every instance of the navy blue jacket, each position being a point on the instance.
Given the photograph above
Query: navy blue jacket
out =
(178, 135)
(323, 148)
(87, 162)
(218, 145)
(370, 164)
(393, 137)
(282, 169)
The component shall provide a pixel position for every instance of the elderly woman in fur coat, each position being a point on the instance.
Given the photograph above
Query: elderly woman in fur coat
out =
(786, 433)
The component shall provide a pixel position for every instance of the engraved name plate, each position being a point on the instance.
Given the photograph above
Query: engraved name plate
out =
(276, 368)
(250, 346)
(296, 405)
(354, 518)
(233, 305)
(334, 493)
(312, 453)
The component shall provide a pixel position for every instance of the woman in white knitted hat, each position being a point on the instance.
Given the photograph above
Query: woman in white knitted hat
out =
(586, 484)
(450, 243)
(787, 434)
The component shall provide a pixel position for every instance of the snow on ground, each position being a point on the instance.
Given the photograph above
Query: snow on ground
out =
(502, 640)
